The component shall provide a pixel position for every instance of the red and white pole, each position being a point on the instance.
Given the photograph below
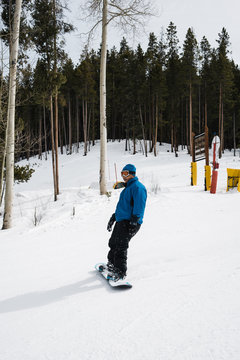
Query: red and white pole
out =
(214, 181)
(215, 146)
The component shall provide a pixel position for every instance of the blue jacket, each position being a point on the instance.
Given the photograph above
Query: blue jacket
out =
(132, 201)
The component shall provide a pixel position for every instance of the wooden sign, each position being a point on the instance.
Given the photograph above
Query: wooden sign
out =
(200, 147)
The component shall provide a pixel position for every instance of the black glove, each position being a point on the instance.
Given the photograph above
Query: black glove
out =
(111, 222)
(133, 225)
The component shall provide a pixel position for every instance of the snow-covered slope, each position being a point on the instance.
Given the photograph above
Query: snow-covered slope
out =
(183, 263)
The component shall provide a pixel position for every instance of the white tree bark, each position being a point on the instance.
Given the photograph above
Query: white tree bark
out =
(127, 13)
(103, 118)
(3, 166)
(2, 124)
(14, 43)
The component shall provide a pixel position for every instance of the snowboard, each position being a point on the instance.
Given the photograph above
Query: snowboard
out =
(102, 269)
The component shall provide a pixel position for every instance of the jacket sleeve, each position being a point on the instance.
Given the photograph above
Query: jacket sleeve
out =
(139, 201)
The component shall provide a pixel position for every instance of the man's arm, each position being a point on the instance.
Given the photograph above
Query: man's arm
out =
(139, 201)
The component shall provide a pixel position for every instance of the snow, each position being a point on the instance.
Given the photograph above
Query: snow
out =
(183, 264)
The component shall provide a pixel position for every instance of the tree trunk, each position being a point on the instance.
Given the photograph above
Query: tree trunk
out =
(199, 110)
(187, 127)
(56, 141)
(69, 125)
(55, 102)
(53, 150)
(88, 129)
(156, 128)
(2, 168)
(103, 127)
(40, 134)
(143, 132)
(93, 126)
(172, 137)
(205, 112)
(160, 128)
(77, 122)
(45, 130)
(133, 136)
(190, 118)
(3, 156)
(182, 125)
(64, 130)
(145, 121)
(85, 123)
(60, 133)
(220, 120)
(14, 43)
(150, 129)
(28, 140)
(234, 135)
(127, 137)
(222, 132)
(175, 140)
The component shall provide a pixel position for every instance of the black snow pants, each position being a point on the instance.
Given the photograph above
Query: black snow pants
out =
(118, 244)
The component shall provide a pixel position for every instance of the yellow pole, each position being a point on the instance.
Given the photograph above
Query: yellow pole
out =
(207, 177)
(193, 173)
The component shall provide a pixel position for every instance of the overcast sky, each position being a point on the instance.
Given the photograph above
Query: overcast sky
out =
(206, 17)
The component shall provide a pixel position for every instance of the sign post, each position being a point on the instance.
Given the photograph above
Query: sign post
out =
(200, 152)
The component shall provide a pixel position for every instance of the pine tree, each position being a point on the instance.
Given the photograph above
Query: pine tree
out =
(113, 126)
(173, 82)
(225, 78)
(155, 58)
(189, 68)
(125, 92)
(205, 57)
(67, 92)
(87, 94)
(236, 109)
(141, 91)
(41, 99)
(48, 26)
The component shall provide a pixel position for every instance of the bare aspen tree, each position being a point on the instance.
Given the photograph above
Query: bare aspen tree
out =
(103, 116)
(14, 43)
(2, 124)
(2, 167)
(56, 175)
(127, 14)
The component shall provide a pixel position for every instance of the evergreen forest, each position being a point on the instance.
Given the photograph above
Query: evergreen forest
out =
(158, 94)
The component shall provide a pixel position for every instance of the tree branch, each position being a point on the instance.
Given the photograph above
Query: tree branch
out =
(134, 14)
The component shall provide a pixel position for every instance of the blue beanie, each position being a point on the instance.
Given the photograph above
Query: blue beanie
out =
(131, 168)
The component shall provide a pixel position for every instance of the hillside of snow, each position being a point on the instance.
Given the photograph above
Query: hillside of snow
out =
(183, 264)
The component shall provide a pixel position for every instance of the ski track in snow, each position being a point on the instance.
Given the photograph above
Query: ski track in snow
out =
(183, 264)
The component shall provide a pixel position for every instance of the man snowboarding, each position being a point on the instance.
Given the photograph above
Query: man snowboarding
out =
(128, 217)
